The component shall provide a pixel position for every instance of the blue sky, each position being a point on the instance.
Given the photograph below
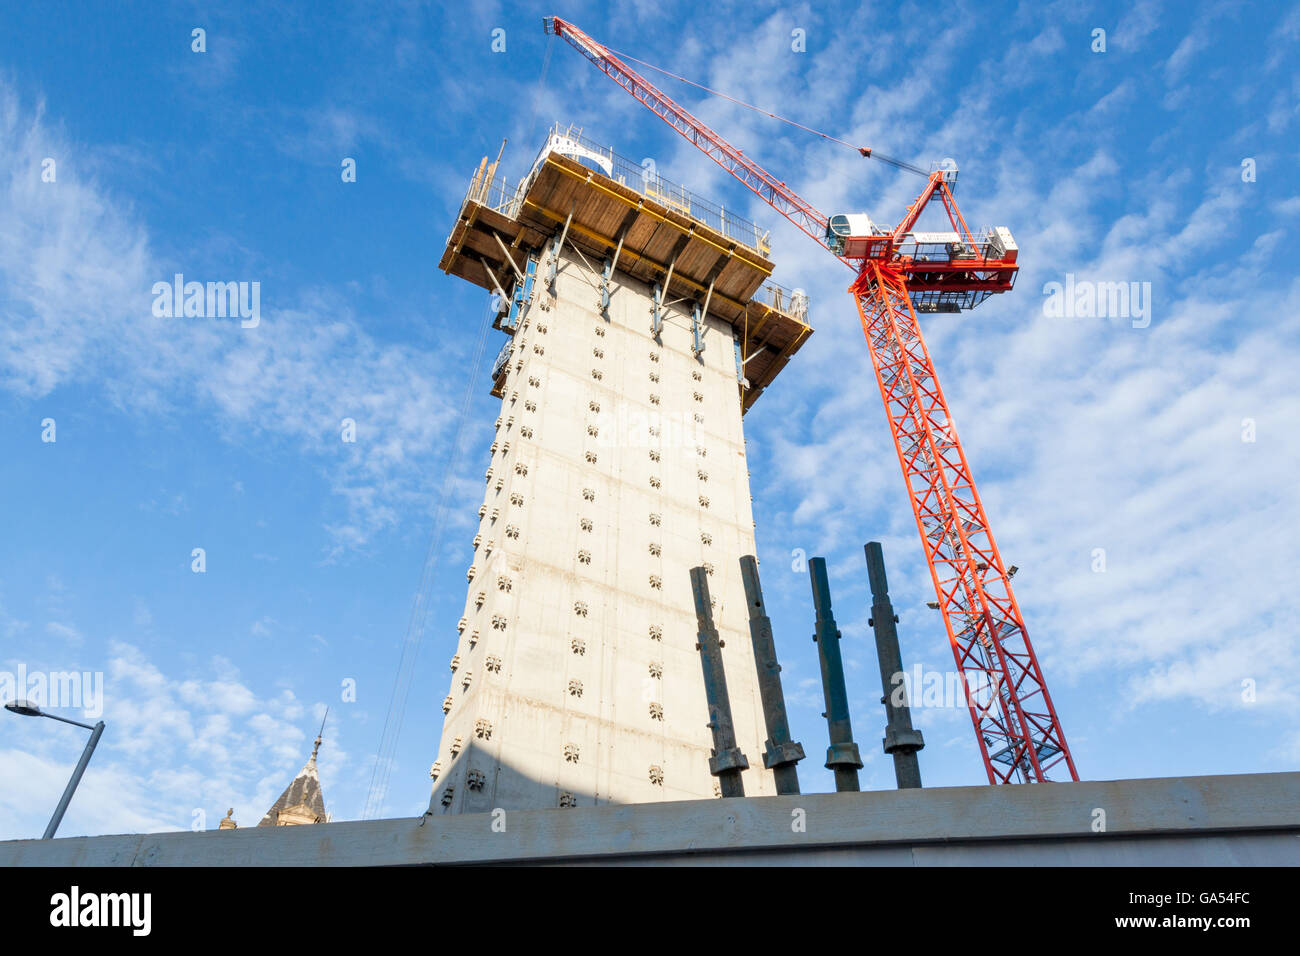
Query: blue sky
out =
(1122, 165)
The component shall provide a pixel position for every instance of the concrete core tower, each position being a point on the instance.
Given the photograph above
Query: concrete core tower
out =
(642, 328)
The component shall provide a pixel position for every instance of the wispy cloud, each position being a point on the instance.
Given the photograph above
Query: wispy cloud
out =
(78, 269)
(1083, 434)
(174, 746)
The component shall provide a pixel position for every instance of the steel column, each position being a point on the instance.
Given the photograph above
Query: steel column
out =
(727, 761)
(781, 753)
(555, 253)
(606, 275)
(842, 756)
(901, 741)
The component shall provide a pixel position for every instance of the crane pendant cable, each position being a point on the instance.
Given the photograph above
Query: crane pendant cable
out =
(866, 151)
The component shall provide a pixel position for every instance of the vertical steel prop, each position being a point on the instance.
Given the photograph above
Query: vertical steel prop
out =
(901, 741)
(727, 761)
(842, 756)
(781, 753)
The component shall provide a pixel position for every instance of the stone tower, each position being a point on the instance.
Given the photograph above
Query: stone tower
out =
(642, 327)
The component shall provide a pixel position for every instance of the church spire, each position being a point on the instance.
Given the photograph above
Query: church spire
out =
(302, 802)
(316, 746)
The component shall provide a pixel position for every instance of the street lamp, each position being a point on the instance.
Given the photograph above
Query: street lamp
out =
(28, 709)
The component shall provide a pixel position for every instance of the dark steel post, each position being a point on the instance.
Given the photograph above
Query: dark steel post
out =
(781, 753)
(842, 756)
(727, 761)
(901, 741)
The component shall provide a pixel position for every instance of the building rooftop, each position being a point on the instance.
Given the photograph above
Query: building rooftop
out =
(660, 232)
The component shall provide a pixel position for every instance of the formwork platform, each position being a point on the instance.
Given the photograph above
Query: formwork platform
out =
(499, 226)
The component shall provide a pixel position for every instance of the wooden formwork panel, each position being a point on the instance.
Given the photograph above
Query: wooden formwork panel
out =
(486, 246)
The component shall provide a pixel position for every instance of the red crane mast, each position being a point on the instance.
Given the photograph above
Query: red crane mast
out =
(900, 272)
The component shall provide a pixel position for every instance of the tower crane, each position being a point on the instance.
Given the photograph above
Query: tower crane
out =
(898, 273)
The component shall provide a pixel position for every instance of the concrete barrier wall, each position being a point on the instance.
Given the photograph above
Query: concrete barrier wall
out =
(1249, 819)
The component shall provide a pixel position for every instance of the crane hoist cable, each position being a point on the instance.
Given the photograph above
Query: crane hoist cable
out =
(865, 151)
(396, 715)
(541, 91)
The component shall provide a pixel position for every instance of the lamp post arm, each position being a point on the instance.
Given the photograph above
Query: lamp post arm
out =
(74, 722)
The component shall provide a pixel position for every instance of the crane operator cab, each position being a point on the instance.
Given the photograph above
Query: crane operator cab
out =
(852, 235)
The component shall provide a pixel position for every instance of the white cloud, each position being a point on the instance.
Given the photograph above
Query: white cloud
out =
(1081, 434)
(63, 632)
(1180, 61)
(78, 269)
(1139, 22)
(171, 746)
